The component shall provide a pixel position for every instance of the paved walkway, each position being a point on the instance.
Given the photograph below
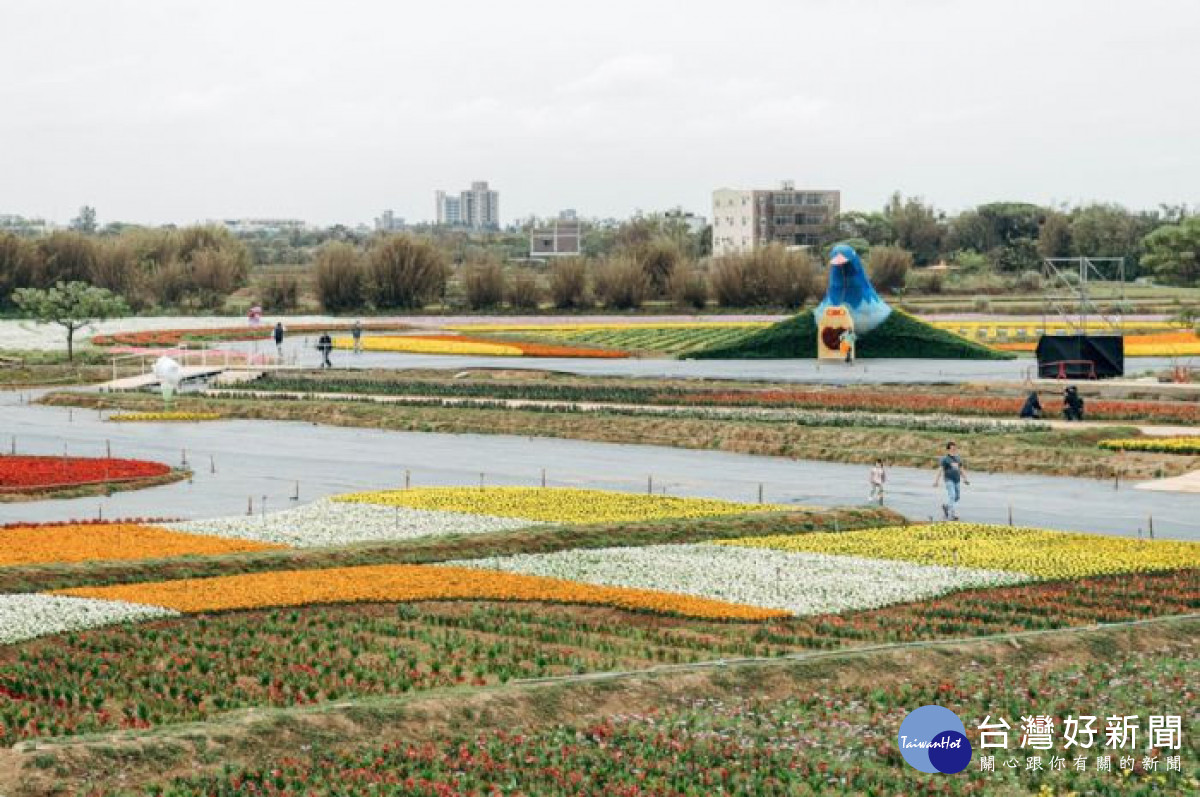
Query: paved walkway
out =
(254, 459)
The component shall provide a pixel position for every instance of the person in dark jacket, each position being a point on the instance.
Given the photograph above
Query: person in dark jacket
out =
(1032, 408)
(325, 346)
(278, 335)
(1072, 404)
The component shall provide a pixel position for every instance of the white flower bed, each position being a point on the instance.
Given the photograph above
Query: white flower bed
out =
(324, 523)
(801, 583)
(29, 616)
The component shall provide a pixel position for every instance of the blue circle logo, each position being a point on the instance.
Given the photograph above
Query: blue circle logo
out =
(933, 739)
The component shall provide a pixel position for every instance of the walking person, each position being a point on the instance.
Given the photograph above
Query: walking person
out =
(278, 335)
(356, 333)
(325, 346)
(878, 477)
(950, 467)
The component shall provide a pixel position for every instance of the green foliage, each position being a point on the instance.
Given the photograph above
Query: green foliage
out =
(524, 291)
(405, 273)
(340, 278)
(622, 284)
(71, 305)
(18, 265)
(900, 336)
(1173, 252)
(770, 276)
(568, 284)
(484, 284)
(889, 267)
(916, 227)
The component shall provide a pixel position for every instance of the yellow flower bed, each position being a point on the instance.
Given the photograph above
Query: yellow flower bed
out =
(109, 542)
(1166, 445)
(130, 417)
(417, 345)
(1037, 552)
(556, 505)
(404, 583)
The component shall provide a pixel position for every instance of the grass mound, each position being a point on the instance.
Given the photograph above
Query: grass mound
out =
(900, 336)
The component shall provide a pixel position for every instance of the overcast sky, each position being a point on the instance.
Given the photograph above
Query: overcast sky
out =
(164, 111)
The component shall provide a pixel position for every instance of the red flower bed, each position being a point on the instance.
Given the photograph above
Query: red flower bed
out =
(883, 401)
(30, 474)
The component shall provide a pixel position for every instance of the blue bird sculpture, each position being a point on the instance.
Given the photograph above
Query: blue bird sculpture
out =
(849, 287)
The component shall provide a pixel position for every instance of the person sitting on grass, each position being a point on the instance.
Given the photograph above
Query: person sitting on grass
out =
(1032, 408)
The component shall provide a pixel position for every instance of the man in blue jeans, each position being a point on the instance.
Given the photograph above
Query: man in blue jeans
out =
(950, 468)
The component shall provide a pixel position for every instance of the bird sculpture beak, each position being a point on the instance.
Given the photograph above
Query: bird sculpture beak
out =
(839, 260)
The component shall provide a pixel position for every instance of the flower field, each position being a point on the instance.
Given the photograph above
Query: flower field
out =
(1036, 552)
(32, 473)
(821, 736)
(466, 345)
(401, 583)
(164, 417)
(1157, 344)
(1168, 445)
(327, 522)
(796, 583)
(676, 339)
(556, 505)
(107, 542)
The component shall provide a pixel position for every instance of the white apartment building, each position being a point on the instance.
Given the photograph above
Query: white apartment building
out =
(477, 208)
(744, 219)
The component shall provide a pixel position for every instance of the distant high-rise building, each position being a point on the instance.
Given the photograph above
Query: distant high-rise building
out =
(746, 219)
(389, 222)
(477, 208)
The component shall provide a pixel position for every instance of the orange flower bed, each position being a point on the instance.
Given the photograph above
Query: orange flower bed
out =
(109, 542)
(536, 349)
(404, 583)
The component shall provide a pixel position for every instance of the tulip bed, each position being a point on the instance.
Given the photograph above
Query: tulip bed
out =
(83, 542)
(24, 617)
(556, 505)
(20, 474)
(663, 337)
(800, 584)
(824, 736)
(164, 417)
(1166, 445)
(1036, 552)
(403, 583)
(332, 522)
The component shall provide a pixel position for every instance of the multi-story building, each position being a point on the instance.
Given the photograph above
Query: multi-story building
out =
(746, 219)
(264, 225)
(389, 222)
(562, 237)
(477, 208)
(694, 223)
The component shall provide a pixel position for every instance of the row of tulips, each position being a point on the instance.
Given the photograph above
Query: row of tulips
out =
(164, 417)
(1189, 445)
